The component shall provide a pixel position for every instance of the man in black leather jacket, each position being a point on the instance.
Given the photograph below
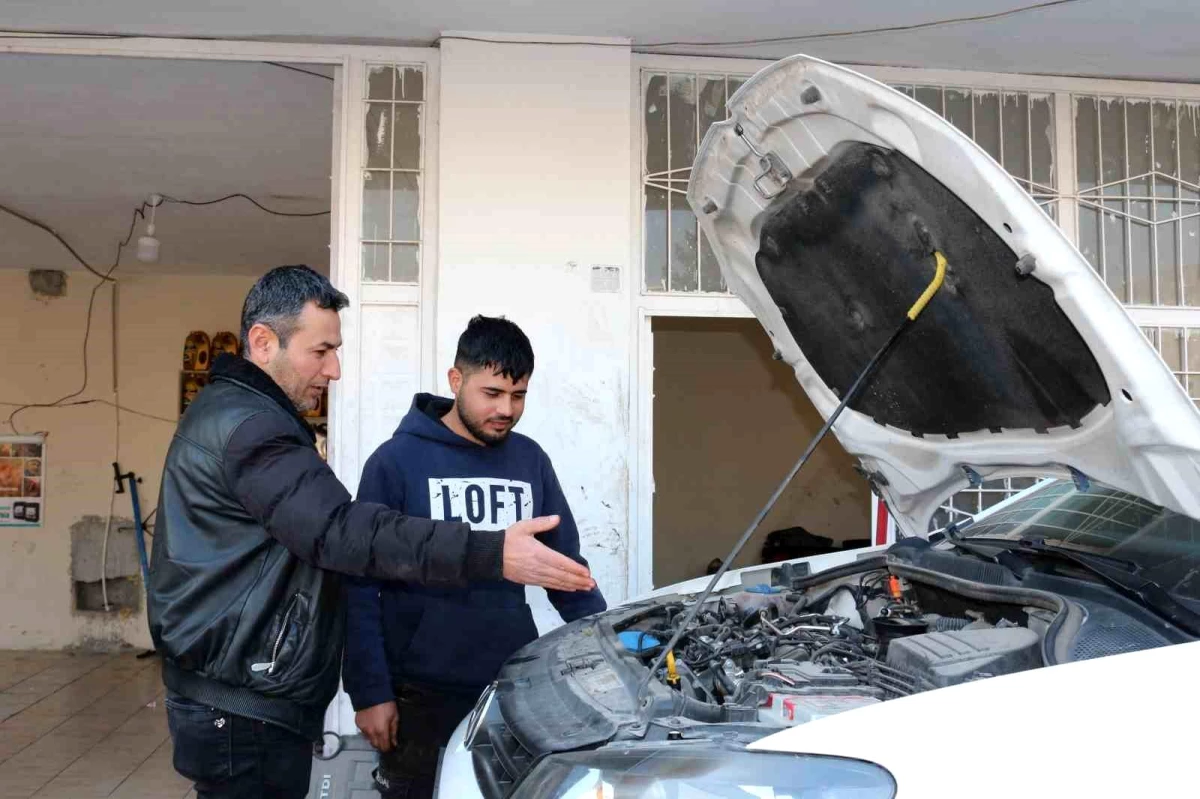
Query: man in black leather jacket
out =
(253, 529)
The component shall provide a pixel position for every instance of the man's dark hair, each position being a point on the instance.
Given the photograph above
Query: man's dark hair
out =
(496, 344)
(280, 295)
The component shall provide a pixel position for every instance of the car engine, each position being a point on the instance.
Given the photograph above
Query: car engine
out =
(783, 658)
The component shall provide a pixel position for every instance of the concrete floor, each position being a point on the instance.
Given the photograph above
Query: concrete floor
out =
(79, 725)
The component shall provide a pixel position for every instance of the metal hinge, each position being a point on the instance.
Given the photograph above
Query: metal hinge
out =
(775, 175)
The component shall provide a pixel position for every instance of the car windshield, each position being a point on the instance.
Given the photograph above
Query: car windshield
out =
(1099, 520)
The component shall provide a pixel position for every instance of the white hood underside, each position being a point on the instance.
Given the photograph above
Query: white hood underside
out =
(1146, 440)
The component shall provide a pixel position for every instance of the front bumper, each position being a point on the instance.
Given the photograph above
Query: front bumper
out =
(456, 773)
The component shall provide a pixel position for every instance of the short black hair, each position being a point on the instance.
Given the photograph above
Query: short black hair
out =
(497, 344)
(279, 296)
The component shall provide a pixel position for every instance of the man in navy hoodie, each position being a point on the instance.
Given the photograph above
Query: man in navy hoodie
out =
(417, 658)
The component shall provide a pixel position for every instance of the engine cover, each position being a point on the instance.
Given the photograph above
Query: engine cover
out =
(948, 658)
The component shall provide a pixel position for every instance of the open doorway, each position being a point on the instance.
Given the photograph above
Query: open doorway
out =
(729, 421)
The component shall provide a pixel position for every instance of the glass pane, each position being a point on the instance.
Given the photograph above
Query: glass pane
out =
(1189, 147)
(1089, 236)
(1191, 257)
(412, 84)
(656, 124)
(1141, 250)
(1189, 168)
(685, 271)
(966, 501)
(712, 103)
(1193, 350)
(908, 90)
(379, 135)
(710, 271)
(1115, 244)
(1193, 386)
(656, 239)
(1166, 158)
(1112, 145)
(734, 85)
(408, 137)
(1137, 120)
(1141, 242)
(930, 97)
(1087, 148)
(1167, 234)
(406, 207)
(1016, 135)
(1021, 483)
(379, 82)
(1172, 347)
(406, 263)
(375, 263)
(375, 206)
(1041, 142)
(987, 122)
(958, 110)
(682, 115)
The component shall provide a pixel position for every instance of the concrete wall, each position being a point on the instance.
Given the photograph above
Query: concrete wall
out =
(535, 190)
(728, 424)
(41, 361)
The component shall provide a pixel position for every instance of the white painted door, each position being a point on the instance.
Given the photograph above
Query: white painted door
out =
(383, 257)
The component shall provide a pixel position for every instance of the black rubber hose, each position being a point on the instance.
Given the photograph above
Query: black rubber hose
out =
(1067, 620)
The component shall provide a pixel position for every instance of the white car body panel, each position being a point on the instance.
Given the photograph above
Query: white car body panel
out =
(1149, 445)
(1110, 727)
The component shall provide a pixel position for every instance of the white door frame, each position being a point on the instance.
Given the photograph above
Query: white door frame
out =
(348, 113)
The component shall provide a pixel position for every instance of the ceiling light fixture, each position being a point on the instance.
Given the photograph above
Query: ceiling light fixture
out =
(148, 245)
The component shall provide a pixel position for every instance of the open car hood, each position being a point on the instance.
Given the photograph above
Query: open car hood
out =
(824, 197)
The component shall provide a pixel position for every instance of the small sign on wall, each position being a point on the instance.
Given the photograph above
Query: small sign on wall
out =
(22, 475)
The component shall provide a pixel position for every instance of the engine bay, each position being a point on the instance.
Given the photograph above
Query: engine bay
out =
(778, 657)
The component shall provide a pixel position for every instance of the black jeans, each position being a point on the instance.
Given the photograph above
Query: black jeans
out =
(234, 757)
(428, 718)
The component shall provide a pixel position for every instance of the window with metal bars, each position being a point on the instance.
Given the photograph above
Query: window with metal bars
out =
(393, 164)
(1180, 348)
(1138, 191)
(1015, 128)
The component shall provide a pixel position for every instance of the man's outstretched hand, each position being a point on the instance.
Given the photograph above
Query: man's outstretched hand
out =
(530, 562)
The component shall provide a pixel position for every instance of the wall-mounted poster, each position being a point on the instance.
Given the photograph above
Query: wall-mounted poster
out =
(22, 471)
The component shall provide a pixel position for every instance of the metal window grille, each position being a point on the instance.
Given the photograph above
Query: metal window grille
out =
(393, 173)
(1138, 174)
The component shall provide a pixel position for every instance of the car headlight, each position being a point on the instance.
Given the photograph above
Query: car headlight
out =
(703, 772)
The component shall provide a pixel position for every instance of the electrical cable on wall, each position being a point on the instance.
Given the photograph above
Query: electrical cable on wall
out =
(637, 46)
(106, 277)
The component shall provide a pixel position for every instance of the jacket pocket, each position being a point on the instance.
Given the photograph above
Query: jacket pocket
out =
(283, 640)
(464, 644)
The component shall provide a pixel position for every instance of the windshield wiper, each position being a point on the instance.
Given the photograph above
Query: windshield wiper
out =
(1120, 574)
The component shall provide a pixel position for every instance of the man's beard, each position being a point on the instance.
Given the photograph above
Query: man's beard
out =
(479, 431)
(283, 375)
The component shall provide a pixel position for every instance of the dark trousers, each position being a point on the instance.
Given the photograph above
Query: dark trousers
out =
(428, 717)
(234, 757)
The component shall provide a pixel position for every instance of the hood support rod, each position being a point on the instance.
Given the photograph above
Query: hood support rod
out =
(855, 388)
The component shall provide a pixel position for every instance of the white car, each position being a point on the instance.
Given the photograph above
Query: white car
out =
(1044, 649)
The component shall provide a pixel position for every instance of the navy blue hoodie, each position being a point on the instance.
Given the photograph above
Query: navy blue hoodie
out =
(453, 638)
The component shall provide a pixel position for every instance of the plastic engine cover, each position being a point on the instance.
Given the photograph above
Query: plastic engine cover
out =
(948, 658)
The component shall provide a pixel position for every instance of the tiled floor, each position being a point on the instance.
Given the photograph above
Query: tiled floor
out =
(76, 726)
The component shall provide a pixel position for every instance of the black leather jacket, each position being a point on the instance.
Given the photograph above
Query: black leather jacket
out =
(244, 599)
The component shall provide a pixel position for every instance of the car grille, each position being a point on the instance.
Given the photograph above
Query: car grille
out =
(500, 761)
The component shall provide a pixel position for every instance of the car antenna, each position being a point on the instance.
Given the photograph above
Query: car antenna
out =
(855, 388)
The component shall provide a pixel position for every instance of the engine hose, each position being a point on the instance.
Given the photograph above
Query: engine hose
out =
(1068, 617)
(873, 563)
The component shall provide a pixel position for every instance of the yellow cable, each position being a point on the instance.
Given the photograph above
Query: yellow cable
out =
(932, 289)
(672, 675)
